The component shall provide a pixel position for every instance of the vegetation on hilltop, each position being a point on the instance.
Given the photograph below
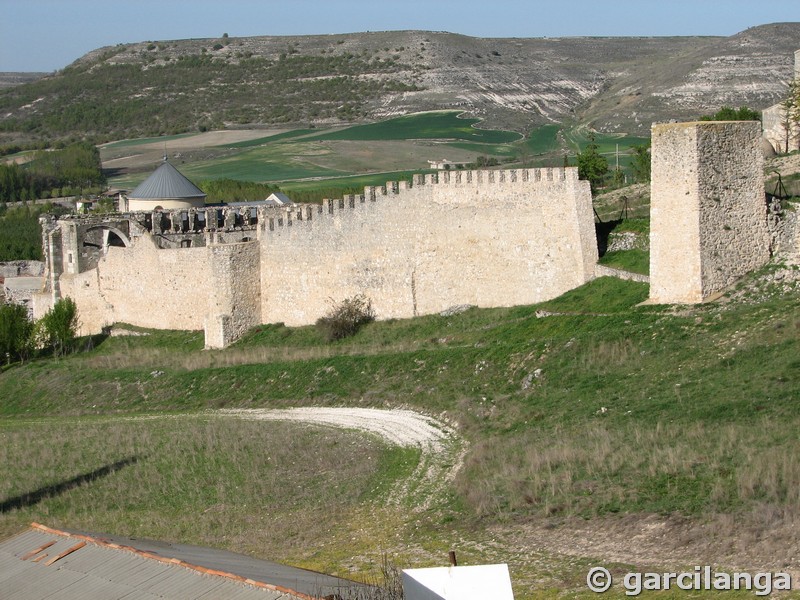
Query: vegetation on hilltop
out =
(727, 113)
(191, 85)
(106, 100)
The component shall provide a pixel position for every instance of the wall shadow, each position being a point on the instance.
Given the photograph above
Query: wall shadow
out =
(50, 491)
(603, 230)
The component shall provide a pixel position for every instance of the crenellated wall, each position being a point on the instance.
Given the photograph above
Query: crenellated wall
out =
(489, 238)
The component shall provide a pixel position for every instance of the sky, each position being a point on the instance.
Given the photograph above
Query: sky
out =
(47, 35)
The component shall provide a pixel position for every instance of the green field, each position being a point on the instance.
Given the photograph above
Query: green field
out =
(270, 138)
(358, 182)
(500, 150)
(143, 141)
(303, 158)
(577, 139)
(544, 140)
(255, 165)
(430, 125)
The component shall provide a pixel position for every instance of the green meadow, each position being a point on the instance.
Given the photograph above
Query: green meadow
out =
(430, 125)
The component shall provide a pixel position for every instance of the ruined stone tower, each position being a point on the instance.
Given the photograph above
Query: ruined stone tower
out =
(708, 211)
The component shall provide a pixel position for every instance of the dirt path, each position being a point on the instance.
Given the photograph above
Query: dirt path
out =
(441, 449)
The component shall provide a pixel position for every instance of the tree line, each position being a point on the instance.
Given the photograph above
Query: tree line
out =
(20, 233)
(53, 173)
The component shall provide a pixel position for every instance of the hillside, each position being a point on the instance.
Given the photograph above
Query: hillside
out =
(583, 422)
(615, 84)
(10, 79)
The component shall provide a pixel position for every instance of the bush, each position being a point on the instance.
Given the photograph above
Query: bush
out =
(16, 333)
(346, 318)
(59, 326)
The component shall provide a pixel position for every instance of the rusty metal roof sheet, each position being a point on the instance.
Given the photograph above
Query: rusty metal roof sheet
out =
(45, 563)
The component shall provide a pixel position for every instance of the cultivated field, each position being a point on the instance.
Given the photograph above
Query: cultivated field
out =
(374, 153)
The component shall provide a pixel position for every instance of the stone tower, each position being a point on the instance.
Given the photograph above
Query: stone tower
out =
(708, 210)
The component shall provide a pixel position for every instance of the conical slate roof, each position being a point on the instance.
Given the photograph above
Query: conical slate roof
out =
(166, 182)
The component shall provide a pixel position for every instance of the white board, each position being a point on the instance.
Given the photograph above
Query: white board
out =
(458, 583)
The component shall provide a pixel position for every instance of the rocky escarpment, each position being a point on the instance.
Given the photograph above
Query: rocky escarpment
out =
(613, 84)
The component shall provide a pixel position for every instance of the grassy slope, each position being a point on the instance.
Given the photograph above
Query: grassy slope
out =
(256, 487)
(601, 408)
(634, 260)
(502, 372)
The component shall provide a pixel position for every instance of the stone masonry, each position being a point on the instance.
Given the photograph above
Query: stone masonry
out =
(489, 238)
(708, 211)
(486, 238)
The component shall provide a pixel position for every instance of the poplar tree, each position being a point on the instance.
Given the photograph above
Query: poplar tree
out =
(592, 165)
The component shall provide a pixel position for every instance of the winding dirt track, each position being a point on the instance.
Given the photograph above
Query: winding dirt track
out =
(399, 427)
(441, 449)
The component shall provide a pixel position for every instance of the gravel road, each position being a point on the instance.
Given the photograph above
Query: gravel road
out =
(441, 449)
(399, 427)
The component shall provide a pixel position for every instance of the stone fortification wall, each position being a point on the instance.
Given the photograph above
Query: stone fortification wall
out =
(235, 294)
(489, 238)
(143, 285)
(708, 210)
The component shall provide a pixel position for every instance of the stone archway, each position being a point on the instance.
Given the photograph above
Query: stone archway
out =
(96, 241)
(111, 236)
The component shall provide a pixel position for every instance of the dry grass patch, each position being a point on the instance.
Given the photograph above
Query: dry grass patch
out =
(272, 489)
(139, 357)
(596, 469)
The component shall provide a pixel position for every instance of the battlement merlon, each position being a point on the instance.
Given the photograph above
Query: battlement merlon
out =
(450, 187)
(485, 237)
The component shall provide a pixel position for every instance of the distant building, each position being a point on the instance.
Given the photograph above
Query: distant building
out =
(166, 188)
(279, 199)
(446, 165)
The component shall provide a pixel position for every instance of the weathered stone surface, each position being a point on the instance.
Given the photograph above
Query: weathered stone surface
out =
(487, 238)
(708, 212)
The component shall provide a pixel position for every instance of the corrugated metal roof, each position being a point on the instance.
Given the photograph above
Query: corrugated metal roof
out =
(166, 183)
(285, 576)
(86, 569)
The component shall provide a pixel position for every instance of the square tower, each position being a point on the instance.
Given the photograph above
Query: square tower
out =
(708, 212)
